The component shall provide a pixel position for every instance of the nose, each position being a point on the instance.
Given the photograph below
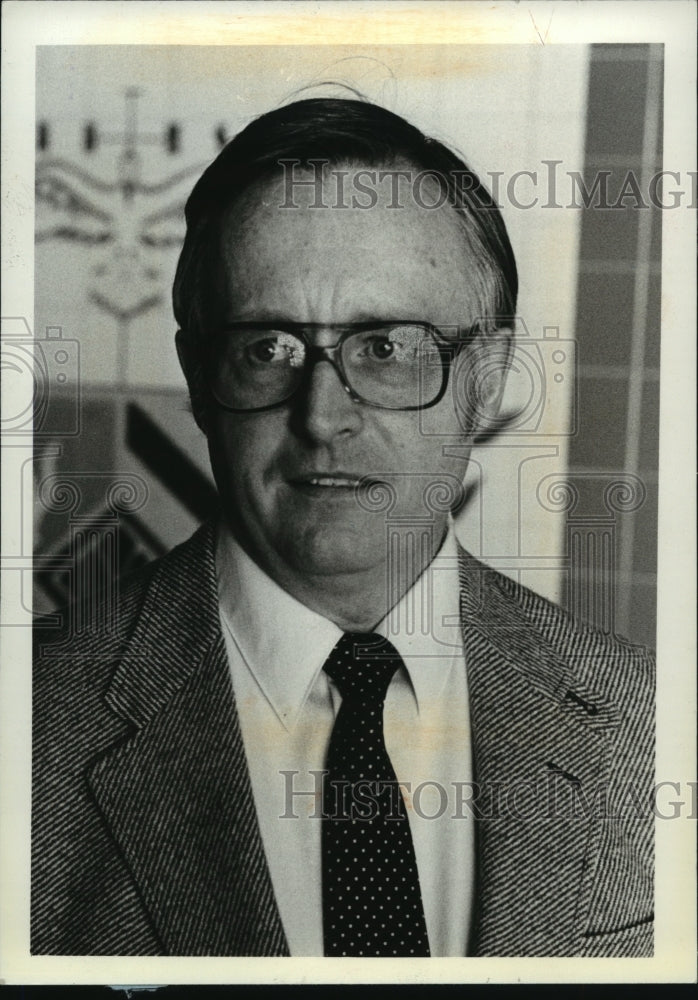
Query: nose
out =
(326, 410)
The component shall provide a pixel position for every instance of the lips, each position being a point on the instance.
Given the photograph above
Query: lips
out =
(326, 483)
(341, 481)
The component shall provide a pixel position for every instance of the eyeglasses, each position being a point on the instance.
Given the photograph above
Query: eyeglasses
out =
(394, 365)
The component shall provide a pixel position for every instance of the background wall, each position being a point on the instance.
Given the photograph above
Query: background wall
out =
(122, 133)
(618, 337)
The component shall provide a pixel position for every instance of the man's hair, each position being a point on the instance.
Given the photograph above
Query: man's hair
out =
(339, 132)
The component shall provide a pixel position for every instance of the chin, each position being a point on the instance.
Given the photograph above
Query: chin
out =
(329, 551)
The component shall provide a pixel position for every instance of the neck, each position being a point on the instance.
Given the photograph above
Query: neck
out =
(357, 601)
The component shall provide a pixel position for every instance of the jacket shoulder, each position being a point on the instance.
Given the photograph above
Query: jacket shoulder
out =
(79, 628)
(104, 627)
(593, 656)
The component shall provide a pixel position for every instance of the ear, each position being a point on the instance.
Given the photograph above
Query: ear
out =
(480, 374)
(193, 373)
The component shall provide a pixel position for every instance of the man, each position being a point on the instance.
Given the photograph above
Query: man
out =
(319, 726)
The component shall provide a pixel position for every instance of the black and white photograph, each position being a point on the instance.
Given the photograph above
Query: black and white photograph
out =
(348, 540)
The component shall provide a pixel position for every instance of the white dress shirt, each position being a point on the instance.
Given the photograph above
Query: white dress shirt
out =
(287, 705)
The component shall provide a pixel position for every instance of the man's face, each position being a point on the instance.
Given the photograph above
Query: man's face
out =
(287, 475)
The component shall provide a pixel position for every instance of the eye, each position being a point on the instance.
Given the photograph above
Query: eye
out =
(380, 348)
(265, 351)
(400, 345)
(278, 349)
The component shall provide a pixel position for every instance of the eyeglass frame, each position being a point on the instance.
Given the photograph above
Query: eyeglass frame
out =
(315, 353)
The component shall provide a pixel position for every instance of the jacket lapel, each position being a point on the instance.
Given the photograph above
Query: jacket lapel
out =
(541, 749)
(177, 795)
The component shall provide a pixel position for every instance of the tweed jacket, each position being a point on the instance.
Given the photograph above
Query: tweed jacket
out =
(145, 838)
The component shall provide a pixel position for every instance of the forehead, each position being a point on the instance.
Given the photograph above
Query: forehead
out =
(321, 254)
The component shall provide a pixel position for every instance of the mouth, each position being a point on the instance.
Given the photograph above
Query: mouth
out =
(329, 484)
(339, 482)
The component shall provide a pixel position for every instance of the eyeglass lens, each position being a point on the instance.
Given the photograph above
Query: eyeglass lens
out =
(394, 367)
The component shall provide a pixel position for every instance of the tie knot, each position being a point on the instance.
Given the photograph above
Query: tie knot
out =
(362, 665)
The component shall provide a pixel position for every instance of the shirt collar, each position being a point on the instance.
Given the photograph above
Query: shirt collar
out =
(424, 626)
(285, 643)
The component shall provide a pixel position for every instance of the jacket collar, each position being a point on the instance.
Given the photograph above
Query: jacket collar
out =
(198, 858)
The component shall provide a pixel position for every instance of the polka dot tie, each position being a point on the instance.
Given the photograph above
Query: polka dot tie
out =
(372, 903)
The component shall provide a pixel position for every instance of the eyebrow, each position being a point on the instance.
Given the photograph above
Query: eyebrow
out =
(362, 316)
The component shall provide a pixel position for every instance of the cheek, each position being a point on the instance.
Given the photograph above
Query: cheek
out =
(428, 461)
(242, 451)
(420, 444)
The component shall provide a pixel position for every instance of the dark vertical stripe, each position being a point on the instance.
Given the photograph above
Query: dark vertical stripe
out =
(169, 463)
